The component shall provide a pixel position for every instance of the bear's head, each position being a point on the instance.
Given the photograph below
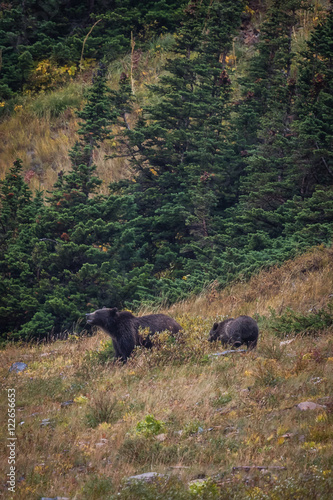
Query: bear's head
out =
(104, 318)
(213, 334)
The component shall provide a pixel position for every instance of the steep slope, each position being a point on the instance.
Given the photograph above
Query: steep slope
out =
(231, 423)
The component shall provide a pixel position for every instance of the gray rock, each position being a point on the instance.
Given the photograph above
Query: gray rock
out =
(55, 498)
(18, 367)
(161, 437)
(309, 405)
(147, 477)
(99, 445)
(45, 422)
(67, 403)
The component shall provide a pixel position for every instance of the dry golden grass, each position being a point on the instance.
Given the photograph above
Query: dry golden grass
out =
(42, 141)
(217, 412)
(301, 284)
(59, 458)
(43, 147)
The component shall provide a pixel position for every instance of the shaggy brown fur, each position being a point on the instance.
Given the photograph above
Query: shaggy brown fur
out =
(242, 330)
(123, 328)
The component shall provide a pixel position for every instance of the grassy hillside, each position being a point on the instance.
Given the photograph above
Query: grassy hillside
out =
(203, 418)
(42, 128)
(242, 425)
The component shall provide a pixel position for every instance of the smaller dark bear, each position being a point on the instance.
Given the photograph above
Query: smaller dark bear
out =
(242, 330)
(123, 328)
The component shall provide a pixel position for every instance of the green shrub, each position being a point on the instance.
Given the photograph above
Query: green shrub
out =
(105, 355)
(38, 327)
(221, 400)
(192, 427)
(291, 322)
(204, 489)
(150, 426)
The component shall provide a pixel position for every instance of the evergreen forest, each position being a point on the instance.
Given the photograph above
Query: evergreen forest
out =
(229, 160)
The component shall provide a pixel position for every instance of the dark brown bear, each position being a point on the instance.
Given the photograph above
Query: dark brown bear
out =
(242, 330)
(123, 328)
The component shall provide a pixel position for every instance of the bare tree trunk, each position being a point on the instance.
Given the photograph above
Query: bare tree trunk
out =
(132, 58)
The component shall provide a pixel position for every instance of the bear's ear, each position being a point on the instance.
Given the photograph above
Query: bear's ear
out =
(215, 326)
(113, 311)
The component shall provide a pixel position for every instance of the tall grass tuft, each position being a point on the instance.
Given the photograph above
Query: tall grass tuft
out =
(52, 104)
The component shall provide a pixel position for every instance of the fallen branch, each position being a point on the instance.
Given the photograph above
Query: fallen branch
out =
(84, 42)
(324, 162)
(258, 467)
(225, 353)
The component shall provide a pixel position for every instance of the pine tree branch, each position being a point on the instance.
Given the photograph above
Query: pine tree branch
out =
(49, 239)
(324, 161)
(3, 227)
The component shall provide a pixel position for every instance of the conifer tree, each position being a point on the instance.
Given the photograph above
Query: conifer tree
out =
(270, 180)
(64, 264)
(18, 212)
(69, 202)
(180, 146)
(313, 107)
(98, 116)
(264, 120)
(15, 203)
(289, 143)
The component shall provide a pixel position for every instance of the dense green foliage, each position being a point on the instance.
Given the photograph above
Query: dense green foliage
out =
(220, 188)
(290, 322)
(38, 38)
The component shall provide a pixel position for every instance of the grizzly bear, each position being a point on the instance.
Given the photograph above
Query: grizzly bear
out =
(123, 328)
(242, 330)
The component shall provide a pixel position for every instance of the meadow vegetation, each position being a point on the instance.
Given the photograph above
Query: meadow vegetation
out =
(180, 163)
(41, 128)
(215, 426)
(218, 168)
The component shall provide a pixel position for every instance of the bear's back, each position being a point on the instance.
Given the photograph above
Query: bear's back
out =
(246, 326)
(158, 323)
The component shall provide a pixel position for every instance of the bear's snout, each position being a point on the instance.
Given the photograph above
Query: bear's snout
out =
(88, 318)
